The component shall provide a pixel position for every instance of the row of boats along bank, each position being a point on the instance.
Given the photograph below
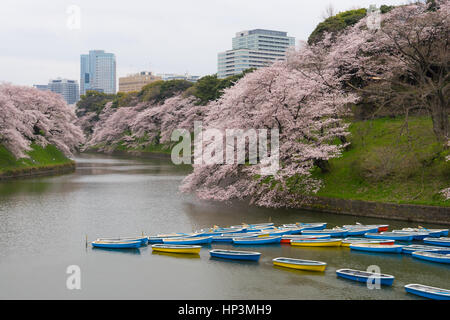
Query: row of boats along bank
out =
(429, 244)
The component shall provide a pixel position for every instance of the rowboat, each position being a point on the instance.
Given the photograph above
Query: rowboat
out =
(235, 254)
(442, 241)
(199, 240)
(348, 241)
(418, 247)
(229, 237)
(288, 237)
(261, 225)
(312, 226)
(390, 236)
(417, 235)
(360, 231)
(257, 240)
(176, 248)
(432, 256)
(363, 276)
(316, 242)
(428, 292)
(301, 264)
(143, 240)
(393, 248)
(276, 232)
(431, 232)
(330, 232)
(381, 227)
(293, 230)
(116, 244)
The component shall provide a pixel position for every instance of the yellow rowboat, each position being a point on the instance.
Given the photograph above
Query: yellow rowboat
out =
(300, 264)
(316, 242)
(176, 248)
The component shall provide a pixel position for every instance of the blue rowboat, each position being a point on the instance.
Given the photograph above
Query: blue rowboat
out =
(417, 235)
(356, 231)
(391, 236)
(330, 232)
(235, 254)
(197, 240)
(294, 230)
(381, 227)
(261, 225)
(143, 240)
(363, 276)
(428, 292)
(431, 232)
(393, 248)
(432, 256)
(257, 240)
(348, 241)
(418, 247)
(229, 237)
(312, 226)
(442, 241)
(116, 244)
(276, 232)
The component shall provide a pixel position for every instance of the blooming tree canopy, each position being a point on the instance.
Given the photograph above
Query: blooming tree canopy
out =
(32, 116)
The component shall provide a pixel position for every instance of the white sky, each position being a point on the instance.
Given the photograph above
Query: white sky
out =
(163, 36)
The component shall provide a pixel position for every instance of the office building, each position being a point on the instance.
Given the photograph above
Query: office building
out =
(253, 49)
(98, 72)
(68, 89)
(135, 82)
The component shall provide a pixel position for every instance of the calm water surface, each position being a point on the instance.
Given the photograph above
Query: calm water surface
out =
(44, 223)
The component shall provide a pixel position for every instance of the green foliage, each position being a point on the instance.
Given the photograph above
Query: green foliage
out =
(93, 101)
(39, 157)
(160, 90)
(210, 88)
(389, 162)
(336, 23)
(124, 99)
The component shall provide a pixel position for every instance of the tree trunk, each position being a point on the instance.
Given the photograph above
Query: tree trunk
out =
(439, 115)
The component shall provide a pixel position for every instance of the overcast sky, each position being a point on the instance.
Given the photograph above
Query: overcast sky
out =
(164, 36)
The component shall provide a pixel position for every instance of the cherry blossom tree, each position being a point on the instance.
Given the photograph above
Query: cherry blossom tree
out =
(304, 100)
(32, 116)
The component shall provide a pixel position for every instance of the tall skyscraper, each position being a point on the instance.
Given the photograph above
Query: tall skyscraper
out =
(98, 72)
(253, 49)
(69, 89)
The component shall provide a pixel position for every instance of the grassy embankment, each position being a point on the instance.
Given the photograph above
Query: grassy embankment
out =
(41, 159)
(388, 162)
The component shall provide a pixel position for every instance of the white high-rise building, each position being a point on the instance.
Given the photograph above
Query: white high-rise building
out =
(98, 72)
(253, 49)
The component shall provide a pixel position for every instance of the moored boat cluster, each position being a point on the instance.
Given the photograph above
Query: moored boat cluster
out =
(364, 238)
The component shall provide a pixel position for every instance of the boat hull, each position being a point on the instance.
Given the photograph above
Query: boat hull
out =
(377, 248)
(301, 266)
(431, 256)
(361, 277)
(117, 245)
(257, 240)
(436, 294)
(187, 241)
(177, 249)
(228, 254)
(311, 243)
(437, 242)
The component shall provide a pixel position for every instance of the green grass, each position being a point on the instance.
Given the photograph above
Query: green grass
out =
(40, 157)
(386, 163)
